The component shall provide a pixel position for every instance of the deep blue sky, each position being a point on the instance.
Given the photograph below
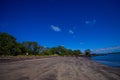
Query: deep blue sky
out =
(76, 24)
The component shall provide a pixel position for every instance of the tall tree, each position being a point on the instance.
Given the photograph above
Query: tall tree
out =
(87, 52)
(31, 47)
(70, 52)
(77, 53)
(8, 45)
(62, 50)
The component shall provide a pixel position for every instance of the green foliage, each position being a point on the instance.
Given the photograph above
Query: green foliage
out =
(61, 50)
(87, 52)
(53, 51)
(9, 46)
(31, 47)
(70, 52)
(77, 52)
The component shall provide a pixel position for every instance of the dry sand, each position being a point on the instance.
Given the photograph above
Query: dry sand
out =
(57, 68)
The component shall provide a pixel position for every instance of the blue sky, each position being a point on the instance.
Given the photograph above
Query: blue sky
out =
(75, 24)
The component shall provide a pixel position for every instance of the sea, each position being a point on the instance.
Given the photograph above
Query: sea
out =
(111, 59)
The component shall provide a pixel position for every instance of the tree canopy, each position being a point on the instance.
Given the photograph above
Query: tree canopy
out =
(9, 46)
(87, 52)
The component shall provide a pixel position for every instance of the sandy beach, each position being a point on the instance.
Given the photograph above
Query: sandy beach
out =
(57, 68)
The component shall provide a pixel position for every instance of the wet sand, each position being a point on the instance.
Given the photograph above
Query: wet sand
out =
(57, 68)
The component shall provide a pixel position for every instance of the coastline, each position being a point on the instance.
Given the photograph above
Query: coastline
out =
(110, 59)
(57, 68)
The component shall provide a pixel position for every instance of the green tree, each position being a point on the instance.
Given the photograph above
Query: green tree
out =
(31, 47)
(77, 53)
(87, 52)
(22, 50)
(61, 51)
(53, 51)
(8, 45)
(70, 52)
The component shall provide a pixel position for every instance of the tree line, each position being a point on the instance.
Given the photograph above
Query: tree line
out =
(10, 46)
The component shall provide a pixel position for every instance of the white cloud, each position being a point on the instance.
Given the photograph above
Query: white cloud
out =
(109, 49)
(71, 32)
(90, 22)
(55, 28)
(87, 22)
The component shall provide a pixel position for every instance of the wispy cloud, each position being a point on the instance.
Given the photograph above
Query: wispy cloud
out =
(81, 43)
(71, 32)
(87, 22)
(90, 22)
(109, 49)
(55, 28)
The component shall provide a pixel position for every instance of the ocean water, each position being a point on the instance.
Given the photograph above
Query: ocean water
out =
(112, 60)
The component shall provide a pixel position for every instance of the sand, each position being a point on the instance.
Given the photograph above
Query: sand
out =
(57, 68)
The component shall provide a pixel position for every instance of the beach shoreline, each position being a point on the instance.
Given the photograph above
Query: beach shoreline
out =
(57, 68)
